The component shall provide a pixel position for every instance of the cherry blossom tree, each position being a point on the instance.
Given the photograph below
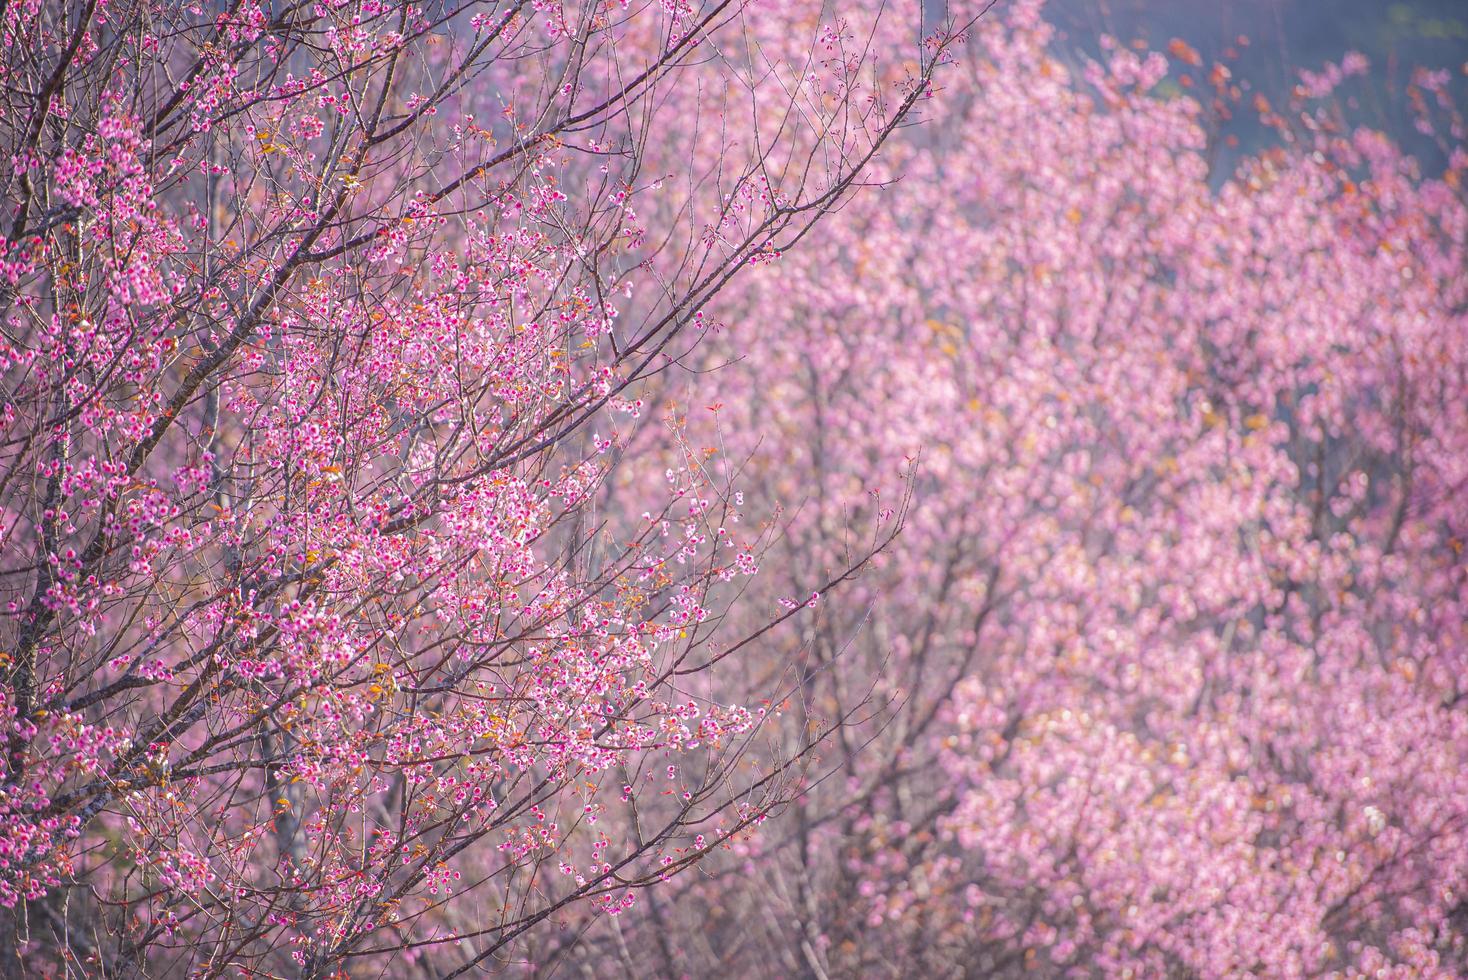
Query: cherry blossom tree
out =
(333, 634)
(1165, 675)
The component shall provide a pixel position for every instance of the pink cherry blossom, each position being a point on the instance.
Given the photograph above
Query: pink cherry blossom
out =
(330, 633)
